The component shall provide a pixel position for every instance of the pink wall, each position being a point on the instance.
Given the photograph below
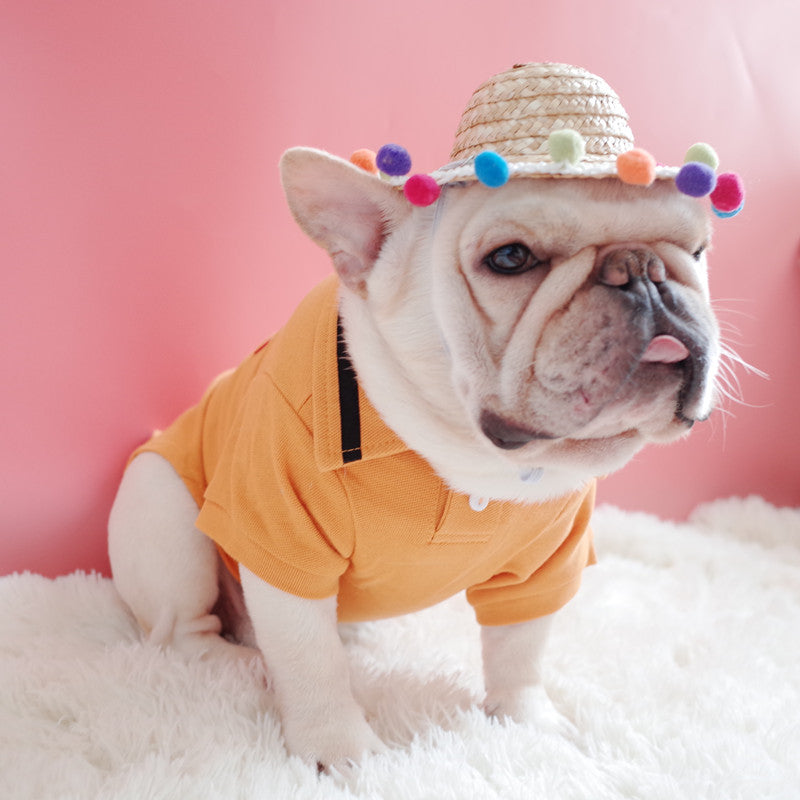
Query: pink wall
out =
(145, 246)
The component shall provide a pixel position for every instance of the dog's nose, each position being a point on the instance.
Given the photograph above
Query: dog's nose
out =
(620, 266)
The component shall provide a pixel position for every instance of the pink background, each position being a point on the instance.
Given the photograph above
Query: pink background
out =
(145, 245)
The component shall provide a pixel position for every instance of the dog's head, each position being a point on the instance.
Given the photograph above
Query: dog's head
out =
(577, 315)
(555, 324)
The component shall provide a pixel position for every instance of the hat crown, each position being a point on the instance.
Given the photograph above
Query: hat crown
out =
(514, 113)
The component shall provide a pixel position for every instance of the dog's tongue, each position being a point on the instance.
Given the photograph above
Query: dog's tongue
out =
(665, 349)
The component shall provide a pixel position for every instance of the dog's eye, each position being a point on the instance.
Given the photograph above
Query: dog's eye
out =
(511, 259)
(697, 253)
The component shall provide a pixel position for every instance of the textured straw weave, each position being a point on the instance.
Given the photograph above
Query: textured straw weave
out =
(514, 112)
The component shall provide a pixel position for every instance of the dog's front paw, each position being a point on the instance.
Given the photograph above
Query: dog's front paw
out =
(328, 739)
(529, 705)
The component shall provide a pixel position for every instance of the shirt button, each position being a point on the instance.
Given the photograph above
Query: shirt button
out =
(478, 503)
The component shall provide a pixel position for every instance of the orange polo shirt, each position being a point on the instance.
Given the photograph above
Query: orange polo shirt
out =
(262, 455)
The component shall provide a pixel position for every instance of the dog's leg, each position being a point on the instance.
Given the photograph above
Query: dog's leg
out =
(512, 656)
(308, 669)
(164, 568)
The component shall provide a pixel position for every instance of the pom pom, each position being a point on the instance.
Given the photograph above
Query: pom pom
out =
(728, 195)
(365, 159)
(566, 146)
(636, 167)
(727, 214)
(491, 169)
(421, 190)
(695, 179)
(702, 153)
(394, 160)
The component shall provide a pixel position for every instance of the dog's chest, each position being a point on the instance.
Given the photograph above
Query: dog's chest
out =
(401, 498)
(415, 542)
(316, 494)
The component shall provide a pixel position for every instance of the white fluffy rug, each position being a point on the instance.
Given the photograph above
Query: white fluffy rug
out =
(678, 664)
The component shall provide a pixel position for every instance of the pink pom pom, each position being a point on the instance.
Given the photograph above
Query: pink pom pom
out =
(421, 190)
(729, 192)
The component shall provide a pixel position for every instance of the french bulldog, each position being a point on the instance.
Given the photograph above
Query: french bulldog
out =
(517, 341)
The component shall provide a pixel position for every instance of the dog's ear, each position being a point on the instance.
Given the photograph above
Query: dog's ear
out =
(344, 209)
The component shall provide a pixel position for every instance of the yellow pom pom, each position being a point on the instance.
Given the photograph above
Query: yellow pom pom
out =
(702, 153)
(566, 146)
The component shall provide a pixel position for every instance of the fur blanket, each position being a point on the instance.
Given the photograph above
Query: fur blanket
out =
(678, 665)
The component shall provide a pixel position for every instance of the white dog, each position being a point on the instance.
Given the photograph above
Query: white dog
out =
(430, 421)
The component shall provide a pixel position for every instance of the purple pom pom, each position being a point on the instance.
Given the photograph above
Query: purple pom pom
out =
(394, 160)
(696, 179)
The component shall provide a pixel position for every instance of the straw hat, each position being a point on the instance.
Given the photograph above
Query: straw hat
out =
(516, 111)
(553, 121)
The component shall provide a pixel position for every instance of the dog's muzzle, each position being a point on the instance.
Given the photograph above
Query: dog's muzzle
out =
(676, 335)
(663, 330)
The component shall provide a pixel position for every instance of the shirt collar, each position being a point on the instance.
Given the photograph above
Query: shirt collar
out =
(366, 435)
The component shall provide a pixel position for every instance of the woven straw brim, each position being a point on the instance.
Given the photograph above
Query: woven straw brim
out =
(464, 171)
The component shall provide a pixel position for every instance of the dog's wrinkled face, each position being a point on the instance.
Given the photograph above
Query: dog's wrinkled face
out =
(576, 315)
(551, 324)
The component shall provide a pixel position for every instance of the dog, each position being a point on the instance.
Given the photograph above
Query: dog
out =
(431, 420)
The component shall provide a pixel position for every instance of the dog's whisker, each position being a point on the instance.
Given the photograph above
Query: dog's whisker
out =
(728, 383)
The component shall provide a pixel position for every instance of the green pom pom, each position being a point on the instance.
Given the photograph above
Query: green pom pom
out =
(702, 153)
(566, 146)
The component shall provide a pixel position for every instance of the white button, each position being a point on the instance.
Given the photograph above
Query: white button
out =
(531, 475)
(478, 503)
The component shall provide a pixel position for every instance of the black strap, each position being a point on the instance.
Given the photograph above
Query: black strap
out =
(349, 415)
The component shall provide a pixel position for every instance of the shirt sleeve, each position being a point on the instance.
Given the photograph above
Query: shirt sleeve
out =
(528, 587)
(269, 507)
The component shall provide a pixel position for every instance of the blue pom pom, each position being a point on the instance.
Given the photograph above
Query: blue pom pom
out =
(726, 214)
(491, 169)
(696, 179)
(394, 160)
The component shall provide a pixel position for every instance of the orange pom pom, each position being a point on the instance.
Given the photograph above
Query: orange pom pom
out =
(636, 167)
(365, 159)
